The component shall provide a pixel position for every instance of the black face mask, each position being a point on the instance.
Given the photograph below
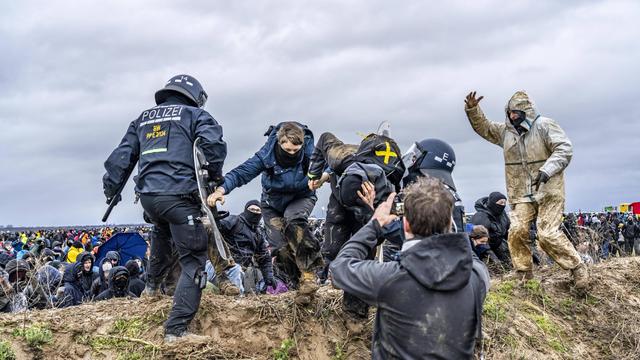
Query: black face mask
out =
(517, 123)
(496, 209)
(252, 218)
(120, 284)
(285, 159)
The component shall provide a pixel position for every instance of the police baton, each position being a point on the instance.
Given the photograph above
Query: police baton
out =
(117, 196)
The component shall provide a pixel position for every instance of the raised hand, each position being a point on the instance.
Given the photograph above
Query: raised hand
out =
(471, 100)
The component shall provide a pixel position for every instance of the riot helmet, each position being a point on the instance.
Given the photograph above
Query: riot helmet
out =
(185, 85)
(431, 157)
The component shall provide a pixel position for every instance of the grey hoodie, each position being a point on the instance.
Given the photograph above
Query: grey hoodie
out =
(426, 301)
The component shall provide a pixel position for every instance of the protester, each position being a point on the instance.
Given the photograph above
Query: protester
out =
(136, 285)
(430, 301)
(536, 152)
(362, 176)
(248, 246)
(630, 232)
(490, 213)
(286, 201)
(118, 285)
(480, 242)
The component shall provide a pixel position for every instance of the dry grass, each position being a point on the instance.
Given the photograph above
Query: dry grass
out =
(542, 319)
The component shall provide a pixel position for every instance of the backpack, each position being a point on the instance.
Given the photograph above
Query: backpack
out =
(382, 151)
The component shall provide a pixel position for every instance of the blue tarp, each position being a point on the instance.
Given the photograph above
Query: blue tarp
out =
(129, 245)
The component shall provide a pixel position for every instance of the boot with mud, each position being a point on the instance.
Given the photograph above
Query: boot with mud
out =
(185, 337)
(581, 277)
(226, 287)
(151, 292)
(307, 289)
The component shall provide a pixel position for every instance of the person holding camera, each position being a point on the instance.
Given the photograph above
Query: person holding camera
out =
(430, 300)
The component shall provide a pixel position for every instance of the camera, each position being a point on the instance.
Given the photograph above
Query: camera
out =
(397, 208)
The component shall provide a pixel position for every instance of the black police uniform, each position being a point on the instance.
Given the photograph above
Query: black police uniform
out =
(161, 140)
(429, 157)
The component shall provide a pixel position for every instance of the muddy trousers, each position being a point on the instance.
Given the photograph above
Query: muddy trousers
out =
(340, 226)
(331, 152)
(548, 216)
(177, 226)
(289, 234)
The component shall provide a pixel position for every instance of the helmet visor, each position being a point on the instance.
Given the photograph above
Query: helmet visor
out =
(411, 156)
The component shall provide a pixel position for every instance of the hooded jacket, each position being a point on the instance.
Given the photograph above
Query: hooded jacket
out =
(74, 293)
(100, 283)
(87, 278)
(280, 185)
(544, 146)
(497, 224)
(429, 302)
(112, 292)
(246, 244)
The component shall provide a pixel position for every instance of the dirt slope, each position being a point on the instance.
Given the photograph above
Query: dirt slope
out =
(543, 319)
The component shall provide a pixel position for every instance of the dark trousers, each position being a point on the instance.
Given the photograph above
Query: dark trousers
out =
(177, 226)
(289, 235)
(339, 227)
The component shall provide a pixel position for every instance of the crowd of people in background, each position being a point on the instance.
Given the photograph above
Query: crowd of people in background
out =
(57, 268)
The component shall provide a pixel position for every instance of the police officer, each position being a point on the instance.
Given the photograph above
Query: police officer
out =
(435, 158)
(428, 157)
(161, 140)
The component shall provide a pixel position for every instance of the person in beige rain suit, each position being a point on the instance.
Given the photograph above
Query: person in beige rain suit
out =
(536, 152)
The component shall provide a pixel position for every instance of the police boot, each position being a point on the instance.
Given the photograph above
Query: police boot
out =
(151, 291)
(307, 289)
(580, 276)
(226, 287)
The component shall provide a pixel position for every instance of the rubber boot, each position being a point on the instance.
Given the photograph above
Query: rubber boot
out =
(580, 276)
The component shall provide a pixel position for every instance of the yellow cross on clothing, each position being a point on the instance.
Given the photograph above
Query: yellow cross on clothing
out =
(387, 153)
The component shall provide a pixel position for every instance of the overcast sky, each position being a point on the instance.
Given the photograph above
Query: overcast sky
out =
(73, 74)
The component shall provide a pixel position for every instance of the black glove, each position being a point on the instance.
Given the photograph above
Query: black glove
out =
(117, 200)
(271, 282)
(542, 178)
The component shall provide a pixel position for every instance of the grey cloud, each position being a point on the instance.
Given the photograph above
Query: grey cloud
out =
(75, 74)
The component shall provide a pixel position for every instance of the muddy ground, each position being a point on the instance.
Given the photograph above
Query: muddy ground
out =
(542, 319)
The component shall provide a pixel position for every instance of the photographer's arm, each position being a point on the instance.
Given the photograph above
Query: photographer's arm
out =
(357, 276)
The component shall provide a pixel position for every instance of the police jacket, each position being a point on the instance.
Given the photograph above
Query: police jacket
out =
(280, 185)
(429, 301)
(246, 244)
(497, 225)
(161, 140)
